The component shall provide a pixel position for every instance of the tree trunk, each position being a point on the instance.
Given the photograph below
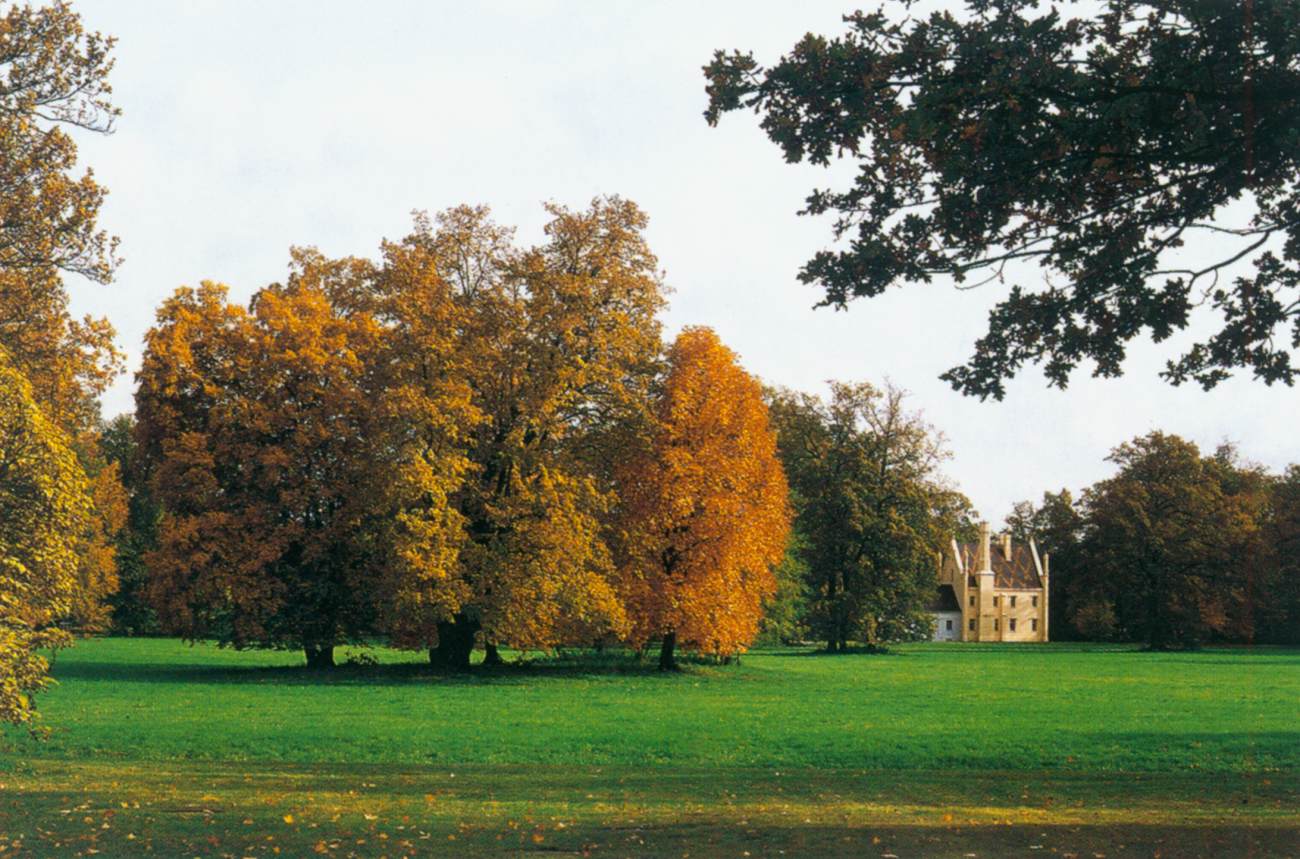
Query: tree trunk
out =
(455, 644)
(319, 657)
(491, 656)
(667, 657)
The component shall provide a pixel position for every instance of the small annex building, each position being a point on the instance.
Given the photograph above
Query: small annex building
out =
(993, 590)
(947, 614)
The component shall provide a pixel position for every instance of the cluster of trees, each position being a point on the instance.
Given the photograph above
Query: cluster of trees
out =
(461, 441)
(464, 441)
(872, 515)
(1176, 549)
(469, 442)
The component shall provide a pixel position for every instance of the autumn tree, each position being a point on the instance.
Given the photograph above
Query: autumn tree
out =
(53, 78)
(1165, 543)
(419, 438)
(705, 507)
(871, 506)
(561, 343)
(1108, 147)
(45, 508)
(255, 424)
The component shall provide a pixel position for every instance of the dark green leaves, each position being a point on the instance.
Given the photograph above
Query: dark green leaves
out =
(1103, 150)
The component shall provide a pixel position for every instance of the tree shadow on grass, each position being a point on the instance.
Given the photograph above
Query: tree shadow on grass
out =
(1277, 655)
(739, 838)
(383, 674)
(854, 650)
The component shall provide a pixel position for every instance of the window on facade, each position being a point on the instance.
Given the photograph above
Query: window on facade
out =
(1011, 624)
(971, 627)
(995, 600)
(995, 624)
(948, 625)
(970, 581)
(1035, 602)
(972, 600)
(1013, 602)
(1033, 624)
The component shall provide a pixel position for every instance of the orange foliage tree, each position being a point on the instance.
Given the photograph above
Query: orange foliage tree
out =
(257, 424)
(705, 507)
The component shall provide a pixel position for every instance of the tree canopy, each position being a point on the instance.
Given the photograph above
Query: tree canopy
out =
(54, 78)
(872, 510)
(422, 445)
(705, 507)
(256, 423)
(1105, 149)
(45, 511)
(1176, 548)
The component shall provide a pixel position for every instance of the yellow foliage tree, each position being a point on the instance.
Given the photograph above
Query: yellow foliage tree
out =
(705, 507)
(45, 511)
(561, 346)
(56, 77)
(423, 414)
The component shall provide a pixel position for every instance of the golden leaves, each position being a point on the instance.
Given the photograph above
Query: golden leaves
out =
(45, 508)
(705, 504)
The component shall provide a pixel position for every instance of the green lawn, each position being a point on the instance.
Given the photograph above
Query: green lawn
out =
(932, 750)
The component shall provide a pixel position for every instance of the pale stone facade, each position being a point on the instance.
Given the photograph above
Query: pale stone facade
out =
(1000, 589)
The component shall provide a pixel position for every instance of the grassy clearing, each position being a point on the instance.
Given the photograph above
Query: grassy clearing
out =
(936, 750)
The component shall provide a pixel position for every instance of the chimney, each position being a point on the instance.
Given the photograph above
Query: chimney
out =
(1006, 545)
(985, 561)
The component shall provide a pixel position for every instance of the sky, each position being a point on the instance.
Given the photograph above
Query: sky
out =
(250, 127)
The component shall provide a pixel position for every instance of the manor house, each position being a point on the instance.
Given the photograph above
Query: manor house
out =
(992, 590)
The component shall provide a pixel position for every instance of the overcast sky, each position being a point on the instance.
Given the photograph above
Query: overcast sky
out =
(249, 127)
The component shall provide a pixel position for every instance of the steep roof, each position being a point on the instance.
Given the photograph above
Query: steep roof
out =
(1014, 572)
(944, 599)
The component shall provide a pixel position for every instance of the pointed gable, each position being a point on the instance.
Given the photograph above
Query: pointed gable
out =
(1015, 572)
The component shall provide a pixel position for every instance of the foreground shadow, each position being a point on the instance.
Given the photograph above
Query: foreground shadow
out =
(193, 809)
(366, 675)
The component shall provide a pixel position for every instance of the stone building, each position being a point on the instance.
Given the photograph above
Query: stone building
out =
(991, 591)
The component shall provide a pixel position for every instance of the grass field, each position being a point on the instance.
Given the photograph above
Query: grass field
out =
(933, 750)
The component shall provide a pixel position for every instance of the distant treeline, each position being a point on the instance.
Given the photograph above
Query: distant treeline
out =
(1176, 549)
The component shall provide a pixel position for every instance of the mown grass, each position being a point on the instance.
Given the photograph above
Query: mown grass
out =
(930, 750)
